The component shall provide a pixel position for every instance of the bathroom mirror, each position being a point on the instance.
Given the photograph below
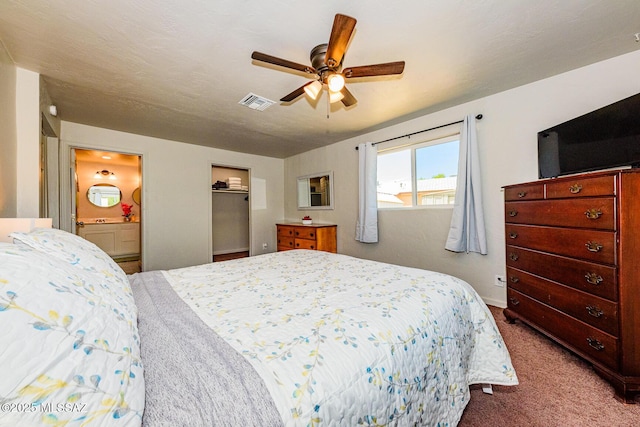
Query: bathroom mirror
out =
(315, 191)
(104, 195)
(136, 196)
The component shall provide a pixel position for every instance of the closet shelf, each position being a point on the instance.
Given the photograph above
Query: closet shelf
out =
(231, 191)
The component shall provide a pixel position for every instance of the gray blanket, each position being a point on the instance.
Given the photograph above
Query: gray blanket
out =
(192, 376)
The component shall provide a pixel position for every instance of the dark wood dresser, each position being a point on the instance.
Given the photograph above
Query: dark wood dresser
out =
(320, 237)
(573, 268)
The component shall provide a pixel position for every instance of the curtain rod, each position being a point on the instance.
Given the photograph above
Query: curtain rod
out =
(478, 117)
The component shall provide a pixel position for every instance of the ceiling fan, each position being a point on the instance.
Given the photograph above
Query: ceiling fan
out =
(326, 65)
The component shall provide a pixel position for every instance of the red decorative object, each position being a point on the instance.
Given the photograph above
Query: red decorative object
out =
(126, 210)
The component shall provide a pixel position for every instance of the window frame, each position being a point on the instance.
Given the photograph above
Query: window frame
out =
(413, 147)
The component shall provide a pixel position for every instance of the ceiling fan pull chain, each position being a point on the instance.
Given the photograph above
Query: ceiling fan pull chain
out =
(328, 107)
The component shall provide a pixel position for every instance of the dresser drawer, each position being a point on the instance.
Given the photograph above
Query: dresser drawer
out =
(285, 242)
(524, 192)
(597, 213)
(596, 311)
(590, 342)
(306, 233)
(596, 279)
(285, 231)
(590, 245)
(305, 244)
(582, 187)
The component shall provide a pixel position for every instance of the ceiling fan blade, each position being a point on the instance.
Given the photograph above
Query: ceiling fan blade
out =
(348, 99)
(296, 93)
(374, 70)
(282, 62)
(341, 31)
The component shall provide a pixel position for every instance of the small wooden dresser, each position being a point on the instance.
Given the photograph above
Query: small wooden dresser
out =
(321, 237)
(573, 268)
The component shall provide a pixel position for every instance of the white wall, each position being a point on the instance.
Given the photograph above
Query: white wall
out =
(176, 193)
(28, 137)
(8, 138)
(508, 147)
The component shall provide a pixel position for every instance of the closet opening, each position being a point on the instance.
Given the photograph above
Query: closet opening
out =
(230, 201)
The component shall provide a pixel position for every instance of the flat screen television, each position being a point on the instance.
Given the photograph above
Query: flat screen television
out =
(602, 139)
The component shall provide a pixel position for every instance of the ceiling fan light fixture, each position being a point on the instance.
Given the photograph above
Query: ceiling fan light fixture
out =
(313, 89)
(335, 81)
(335, 96)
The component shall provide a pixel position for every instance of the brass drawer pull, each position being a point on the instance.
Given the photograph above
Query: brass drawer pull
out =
(594, 311)
(513, 213)
(514, 301)
(575, 188)
(593, 247)
(514, 279)
(593, 213)
(593, 278)
(522, 194)
(513, 257)
(594, 343)
(513, 235)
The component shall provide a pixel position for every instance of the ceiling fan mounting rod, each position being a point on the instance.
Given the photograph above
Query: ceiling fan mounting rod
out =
(317, 56)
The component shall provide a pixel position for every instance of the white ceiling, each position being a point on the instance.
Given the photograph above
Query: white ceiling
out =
(177, 69)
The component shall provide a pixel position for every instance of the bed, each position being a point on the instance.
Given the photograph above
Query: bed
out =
(295, 338)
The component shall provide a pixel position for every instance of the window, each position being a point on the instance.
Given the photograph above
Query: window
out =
(422, 174)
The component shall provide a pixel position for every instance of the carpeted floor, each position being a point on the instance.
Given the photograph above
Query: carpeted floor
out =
(556, 388)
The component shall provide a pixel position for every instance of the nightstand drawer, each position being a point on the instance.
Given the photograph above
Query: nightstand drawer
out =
(591, 245)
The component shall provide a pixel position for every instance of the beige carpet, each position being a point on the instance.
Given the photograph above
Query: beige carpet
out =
(556, 388)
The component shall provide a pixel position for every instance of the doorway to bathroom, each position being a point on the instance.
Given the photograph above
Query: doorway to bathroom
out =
(108, 203)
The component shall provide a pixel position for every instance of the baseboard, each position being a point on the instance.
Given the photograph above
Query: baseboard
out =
(495, 302)
(230, 251)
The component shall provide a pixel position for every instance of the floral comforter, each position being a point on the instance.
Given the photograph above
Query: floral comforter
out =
(345, 341)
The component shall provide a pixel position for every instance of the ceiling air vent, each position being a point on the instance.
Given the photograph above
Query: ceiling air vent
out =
(256, 102)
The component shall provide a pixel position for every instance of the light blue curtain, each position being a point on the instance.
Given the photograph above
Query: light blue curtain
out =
(467, 232)
(367, 224)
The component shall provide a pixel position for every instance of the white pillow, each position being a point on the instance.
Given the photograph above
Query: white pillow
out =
(77, 251)
(69, 348)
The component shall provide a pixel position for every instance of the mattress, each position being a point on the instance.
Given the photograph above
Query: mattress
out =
(310, 338)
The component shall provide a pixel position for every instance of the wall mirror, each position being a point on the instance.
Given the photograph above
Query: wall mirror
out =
(136, 196)
(104, 195)
(315, 191)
